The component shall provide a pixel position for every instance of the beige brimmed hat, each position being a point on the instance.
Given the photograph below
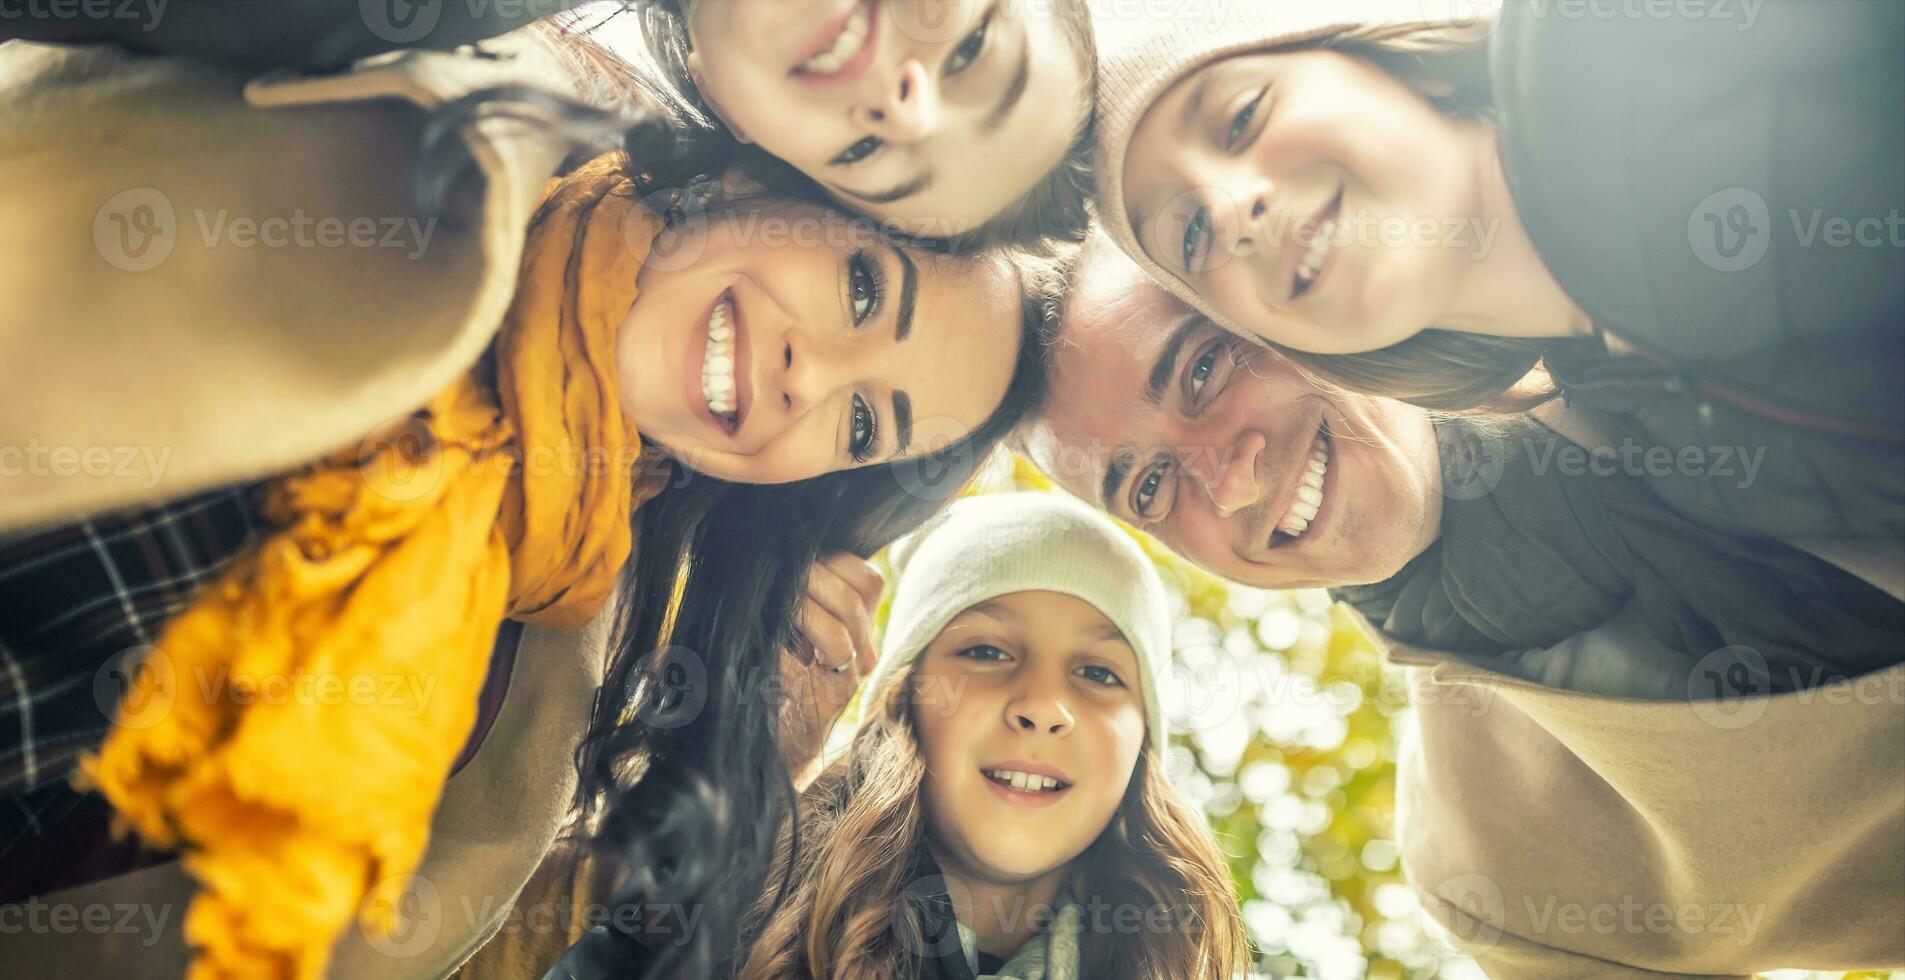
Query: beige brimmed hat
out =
(1141, 57)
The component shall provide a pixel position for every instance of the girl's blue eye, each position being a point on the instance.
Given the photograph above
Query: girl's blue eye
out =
(1241, 121)
(865, 287)
(983, 652)
(857, 152)
(969, 49)
(866, 431)
(1101, 675)
(1195, 235)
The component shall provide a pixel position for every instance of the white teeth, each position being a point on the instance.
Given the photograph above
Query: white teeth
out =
(1312, 263)
(1309, 494)
(1022, 781)
(717, 365)
(846, 45)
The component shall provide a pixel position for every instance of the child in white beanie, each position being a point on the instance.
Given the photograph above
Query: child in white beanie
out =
(1003, 810)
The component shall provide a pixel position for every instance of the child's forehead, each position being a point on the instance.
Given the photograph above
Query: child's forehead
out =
(1041, 611)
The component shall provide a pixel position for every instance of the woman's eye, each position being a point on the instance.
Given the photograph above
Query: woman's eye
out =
(1101, 675)
(969, 49)
(1196, 233)
(864, 287)
(1241, 121)
(865, 434)
(983, 652)
(1150, 485)
(857, 152)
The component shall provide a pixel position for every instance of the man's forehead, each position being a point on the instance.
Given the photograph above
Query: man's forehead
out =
(1075, 460)
(1112, 296)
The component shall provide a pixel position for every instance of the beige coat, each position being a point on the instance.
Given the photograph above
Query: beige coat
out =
(152, 349)
(1556, 834)
(210, 279)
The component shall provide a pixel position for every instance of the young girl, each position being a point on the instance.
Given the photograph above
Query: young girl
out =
(377, 455)
(966, 123)
(1004, 810)
(1426, 212)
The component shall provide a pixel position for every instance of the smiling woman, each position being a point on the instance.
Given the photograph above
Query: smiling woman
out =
(799, 340)
(936, 118)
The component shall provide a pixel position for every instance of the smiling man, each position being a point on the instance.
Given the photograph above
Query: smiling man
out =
(1561, 633)
(1227, 454)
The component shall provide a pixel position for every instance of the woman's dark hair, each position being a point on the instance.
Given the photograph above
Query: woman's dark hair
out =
(683, 784)
(1052, 210)
(683, 765)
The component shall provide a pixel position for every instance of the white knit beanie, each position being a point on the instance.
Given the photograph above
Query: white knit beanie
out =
(997, 544)
(1140, 59)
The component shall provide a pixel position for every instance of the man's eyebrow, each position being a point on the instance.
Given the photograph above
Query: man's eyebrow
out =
(1166, 366)
(1115, 472)
(895, 193)
(1014, 91)
(909, 295)
(903, 418)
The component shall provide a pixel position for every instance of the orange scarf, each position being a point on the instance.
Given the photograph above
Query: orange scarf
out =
(293, 729)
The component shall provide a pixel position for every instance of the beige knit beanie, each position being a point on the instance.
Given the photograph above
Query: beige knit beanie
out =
(1146, 46)
(999, 543)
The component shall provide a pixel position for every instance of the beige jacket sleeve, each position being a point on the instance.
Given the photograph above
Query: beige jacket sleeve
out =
(1508, 957)
(210, 279)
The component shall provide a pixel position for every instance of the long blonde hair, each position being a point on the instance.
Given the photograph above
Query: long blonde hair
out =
(843, 913)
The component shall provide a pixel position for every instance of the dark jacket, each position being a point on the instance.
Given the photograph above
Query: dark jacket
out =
(1681, 177)
(1537, 550)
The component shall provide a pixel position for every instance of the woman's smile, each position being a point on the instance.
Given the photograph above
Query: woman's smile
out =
(843, 49)
(721, 375)
(1312, 260)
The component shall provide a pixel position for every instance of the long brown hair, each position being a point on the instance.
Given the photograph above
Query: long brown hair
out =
(844, 911)
(1441, 370)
